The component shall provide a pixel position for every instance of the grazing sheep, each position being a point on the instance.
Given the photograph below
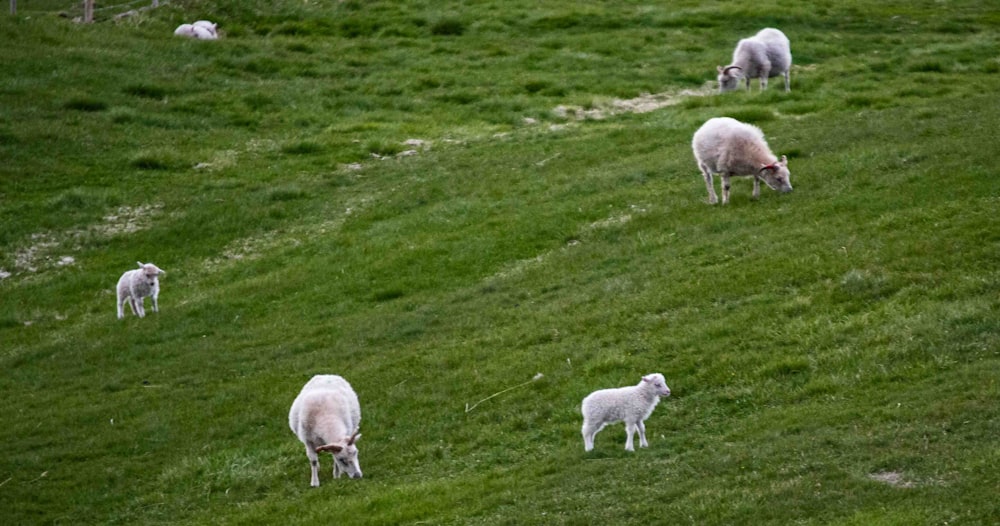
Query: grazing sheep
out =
(731, 148)
(629, 404)
(326, 417)
(134, 285)
(766, 54)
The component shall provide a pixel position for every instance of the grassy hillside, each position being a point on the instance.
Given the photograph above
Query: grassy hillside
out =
(439, 201)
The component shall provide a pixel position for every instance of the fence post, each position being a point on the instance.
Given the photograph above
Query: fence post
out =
(88, 11)
(13, 7)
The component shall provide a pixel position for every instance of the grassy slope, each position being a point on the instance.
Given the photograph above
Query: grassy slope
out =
(812, 339)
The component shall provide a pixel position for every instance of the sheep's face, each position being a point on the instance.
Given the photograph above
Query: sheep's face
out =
(729, 78)
(659, 384)
(776, 176)
(150, 273)
(347, 461)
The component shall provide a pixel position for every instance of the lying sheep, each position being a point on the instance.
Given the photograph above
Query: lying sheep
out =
(135, 285)
(629, 404)
(185, 30)
(731, 148)
(201, 30)
(211, 27)
(326, 417)
(766, 54)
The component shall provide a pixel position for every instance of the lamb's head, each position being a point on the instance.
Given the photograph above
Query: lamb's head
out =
(777, 176)
(729, 78)
(150, 272)
(657, 383)
(345, 454)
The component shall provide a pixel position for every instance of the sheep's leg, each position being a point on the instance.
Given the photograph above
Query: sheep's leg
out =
(642, 435)
(589, 430)
(709, 184)
(121, 307)
(139, 307)
(630, 429)
(725, 188)
(314, 466)
(336, 469)
(756, 187)
(787, 74)
(156, 303)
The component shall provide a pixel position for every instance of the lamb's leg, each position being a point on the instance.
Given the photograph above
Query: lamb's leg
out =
(336, 469)
(709, 184)
(139, 307)
(756, 187)
(156, 303)
(630, 429)
(589, 430)
(788, 81)
(725, 188)
(642, 435)
(314, 465)
(121, 307)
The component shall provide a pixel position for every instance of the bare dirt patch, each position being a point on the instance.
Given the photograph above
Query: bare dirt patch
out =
(45, 250)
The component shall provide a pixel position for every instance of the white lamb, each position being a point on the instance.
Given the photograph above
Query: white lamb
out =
(185, 30)
(201, 30)
(631, 405)
(326, 416)
(766, 54)
(211, 27)
(731, 148)
(135, 285)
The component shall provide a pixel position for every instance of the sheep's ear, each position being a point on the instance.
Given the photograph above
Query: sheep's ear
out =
(355, 438)
(784, 160)
(646, 379)
(719, 68)
(140, 264)
(332, 448)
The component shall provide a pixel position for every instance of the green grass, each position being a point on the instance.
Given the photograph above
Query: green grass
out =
(833, 352)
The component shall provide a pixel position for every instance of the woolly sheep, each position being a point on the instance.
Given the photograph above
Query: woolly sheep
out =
(326, 417)
(211, 27)
(631, 405)
(201, 30)
(135, 285)
(185, 30)
(766, 54)
(731, 148)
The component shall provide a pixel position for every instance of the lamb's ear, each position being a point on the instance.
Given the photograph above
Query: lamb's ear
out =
(719, 68)
(140, 264)
(784, 160)
(332, 448)
(354, 439)
(647, 379)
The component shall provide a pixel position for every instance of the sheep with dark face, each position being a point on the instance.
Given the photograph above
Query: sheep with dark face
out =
(766, 54)
(135, 285)
(326, 417)
(731, 148)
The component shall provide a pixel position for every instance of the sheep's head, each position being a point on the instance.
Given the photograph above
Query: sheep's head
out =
(729, 78)
(658, 384)
(777, 176)
(345, 454)
(150, 272)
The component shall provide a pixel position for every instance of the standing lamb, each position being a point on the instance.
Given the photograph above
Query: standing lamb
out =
(135, 285)
(326, 416)
(766, 54)
(731, 148)
(629, 404)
